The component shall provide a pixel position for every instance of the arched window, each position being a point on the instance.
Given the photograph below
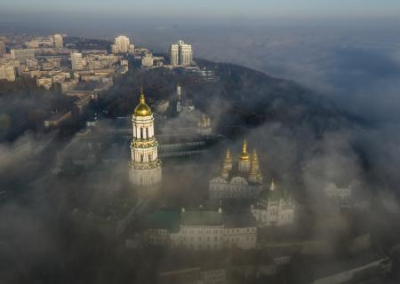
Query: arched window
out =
(147, 132)
(141, 133)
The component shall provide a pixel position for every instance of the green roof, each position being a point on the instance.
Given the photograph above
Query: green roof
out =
(163, 219)
(202, 218)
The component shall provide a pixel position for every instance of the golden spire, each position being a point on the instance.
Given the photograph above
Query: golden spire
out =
(228, 157)
(142, 99)
(244, 155)
(272, 187)
(254, 166)
(255, 157)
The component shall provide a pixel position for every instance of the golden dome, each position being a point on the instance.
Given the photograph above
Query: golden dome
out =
(272, 186)
(254, 167)
(142, 109)
(244, 156)
(255, 157)
(228, 157)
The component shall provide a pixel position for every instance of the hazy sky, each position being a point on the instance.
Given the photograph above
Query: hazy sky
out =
(248, 8)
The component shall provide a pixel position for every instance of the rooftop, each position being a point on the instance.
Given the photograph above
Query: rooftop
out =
(202, 218)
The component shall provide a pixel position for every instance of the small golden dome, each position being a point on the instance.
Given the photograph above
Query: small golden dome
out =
(244, 156)
(142, 109)
(255, 157)
(228, 157)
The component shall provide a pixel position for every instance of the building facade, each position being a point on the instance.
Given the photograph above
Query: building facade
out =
(181, 54)
(243, 180)
(145, 166)
(275, 207)
(121, 45)
(204, 126)
(77, 61)
(23, 54)
(341, 196)
(2, 48)
(147, 60)
(7, 72)
(203, 230)
(58, 41)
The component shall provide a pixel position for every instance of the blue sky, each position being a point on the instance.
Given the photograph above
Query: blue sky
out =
(256, 8)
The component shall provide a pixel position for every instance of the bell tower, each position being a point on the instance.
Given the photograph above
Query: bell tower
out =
(145, 166)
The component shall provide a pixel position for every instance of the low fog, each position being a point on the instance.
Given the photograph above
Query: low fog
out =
(353, 71)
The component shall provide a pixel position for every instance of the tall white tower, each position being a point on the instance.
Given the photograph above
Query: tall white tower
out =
(145, 167)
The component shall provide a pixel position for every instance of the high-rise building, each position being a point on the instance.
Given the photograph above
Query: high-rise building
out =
(76, 61)
(181, 54)
(122, 45)
(58, 41)
(2, 48)
(174, 54)
(145, 167)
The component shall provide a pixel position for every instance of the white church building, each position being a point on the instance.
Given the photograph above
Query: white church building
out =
(243, 180)
(275, 207)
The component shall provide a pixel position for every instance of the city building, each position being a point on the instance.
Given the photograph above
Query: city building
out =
(122, 45)
(145, 166)
(341, 196)
(58, 41)
(242, 181)
(2, 48)
(68, 85)
(77, 61)
(41, 42)
(22, 55)
(32, 64)
(147, 60)
(202, 229)
(50, 64)
(181, 54)
(7, 72)
(183, 104)
(45, 82)
(274, 207)
(101, 61)
(204, 126)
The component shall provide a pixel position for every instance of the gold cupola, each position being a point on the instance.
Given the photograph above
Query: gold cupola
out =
(272, 186)
(244, 156)
(142, 109)
(227, 163)
(255, 164)
(228, 157)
